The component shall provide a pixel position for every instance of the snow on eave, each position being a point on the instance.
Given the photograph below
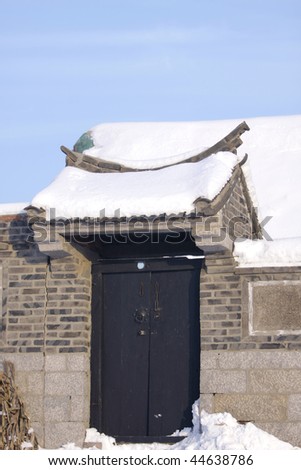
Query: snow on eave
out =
(168, 191)
(14, 208)
(268, 253)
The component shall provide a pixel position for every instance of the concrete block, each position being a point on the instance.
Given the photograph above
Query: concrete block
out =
(57, 409)
(80, 408)
(252, 407)
(287, 432)
(26, 362)
(275, 381)
(209, 359)
(34, 408)
(78, 362)
(206, 402)
(39, 432)
(260, 359)
(221, 381)
(294, 407)
(35, 383)
(275, 305)
(66, 383)
(55, 362)
(21, 382)
(58, 434)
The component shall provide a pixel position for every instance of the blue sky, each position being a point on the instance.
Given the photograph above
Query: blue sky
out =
(69, 65)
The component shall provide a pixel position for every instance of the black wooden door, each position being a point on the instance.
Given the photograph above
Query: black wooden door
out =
(148, 348)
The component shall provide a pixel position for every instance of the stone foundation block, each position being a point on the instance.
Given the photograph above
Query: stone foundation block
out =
(288, 432)
(259, 360)
(294, 407)
(57, 409)
(60, 383)
(58, 433)
(220, 381)
(275, 381)
(206, 402)
(252, 407)
(55, 362)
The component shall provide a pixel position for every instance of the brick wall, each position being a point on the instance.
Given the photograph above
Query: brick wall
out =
(236, 217)
(46, 323)
(46, 302)
(45, 316)
(255, 377)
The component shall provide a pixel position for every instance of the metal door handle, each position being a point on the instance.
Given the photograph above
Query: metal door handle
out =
(140, 315)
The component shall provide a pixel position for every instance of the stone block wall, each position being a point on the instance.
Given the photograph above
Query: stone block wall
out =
(252, 373)
(249, 366)
(55, 389)
(258, 386)
(45, 332)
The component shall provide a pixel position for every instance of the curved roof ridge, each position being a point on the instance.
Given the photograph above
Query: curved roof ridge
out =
(93, 164)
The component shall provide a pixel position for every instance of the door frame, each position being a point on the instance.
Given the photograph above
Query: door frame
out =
(118, 266)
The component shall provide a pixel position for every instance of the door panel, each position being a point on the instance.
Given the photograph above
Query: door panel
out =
(174, 357)
(149, 357)
(125, 355)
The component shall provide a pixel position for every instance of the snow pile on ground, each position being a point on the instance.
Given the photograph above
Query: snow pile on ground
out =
(220, 431)
(12, 208)
(172, 190)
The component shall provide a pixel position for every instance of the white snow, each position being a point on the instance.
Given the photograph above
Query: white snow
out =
(273, 145)
(283, 252)
(77, 193)
(273, 176)
(147, 145)
(220, 431)
(272, 173)
(12, 208)
(92, 435)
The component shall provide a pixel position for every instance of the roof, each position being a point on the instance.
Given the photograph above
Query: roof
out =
(272, 172)
(76, 193)
(141, 169)
(13, 208)
(124, 147)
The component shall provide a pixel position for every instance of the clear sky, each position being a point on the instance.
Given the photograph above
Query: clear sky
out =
(67, 65)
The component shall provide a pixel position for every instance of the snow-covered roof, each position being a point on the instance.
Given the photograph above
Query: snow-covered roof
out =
(149, 145)
(172, 190)
(143, 145)
(13, 208)
(272, 171)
